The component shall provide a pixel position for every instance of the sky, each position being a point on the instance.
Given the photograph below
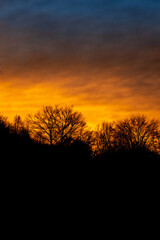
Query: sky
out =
(101, 56)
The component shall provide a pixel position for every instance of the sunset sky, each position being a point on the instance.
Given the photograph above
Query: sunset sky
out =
(102, 56)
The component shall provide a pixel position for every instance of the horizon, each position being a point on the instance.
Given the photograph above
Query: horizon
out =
(102, 57)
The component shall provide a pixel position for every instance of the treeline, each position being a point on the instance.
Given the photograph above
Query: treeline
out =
(61, 134)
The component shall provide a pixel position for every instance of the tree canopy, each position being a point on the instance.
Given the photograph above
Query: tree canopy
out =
(57, 124)
(63, 133)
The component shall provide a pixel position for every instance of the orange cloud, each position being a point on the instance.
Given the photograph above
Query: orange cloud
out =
(102, 58)
(23, 100)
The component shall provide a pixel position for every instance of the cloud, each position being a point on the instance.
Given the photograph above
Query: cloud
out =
(104, 51)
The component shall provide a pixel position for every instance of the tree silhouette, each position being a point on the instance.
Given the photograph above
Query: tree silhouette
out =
(4, 130)
(54, 125)
(137, 132)
(18, 125)
(67, 137)
(104, 138)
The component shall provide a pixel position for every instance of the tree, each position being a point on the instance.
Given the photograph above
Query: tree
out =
(19, 130)
(18, 125)
(103, 138)
(137, 132)
(54, 125)
(4, 126)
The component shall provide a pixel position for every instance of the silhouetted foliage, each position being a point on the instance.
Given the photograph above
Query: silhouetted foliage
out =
(63, 136)
(137, 132)
(104, 140)
(79, 150)
(55, 125)
(133, 138)
(4, 131)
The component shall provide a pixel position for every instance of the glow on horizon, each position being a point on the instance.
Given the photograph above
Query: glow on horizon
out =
(102, 57)
(19, 100)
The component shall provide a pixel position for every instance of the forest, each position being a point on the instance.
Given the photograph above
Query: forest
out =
(60, 134)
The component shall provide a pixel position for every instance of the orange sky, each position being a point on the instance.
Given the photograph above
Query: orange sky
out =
(23, 100)
(102, 57)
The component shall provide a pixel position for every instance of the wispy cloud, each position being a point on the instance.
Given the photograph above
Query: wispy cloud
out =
(105, 51)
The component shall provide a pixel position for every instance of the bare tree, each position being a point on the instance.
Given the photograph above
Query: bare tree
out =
(3, 120)
(54, 125)
(137, 131)
(104, 138)
(4, 130)
(18, 125)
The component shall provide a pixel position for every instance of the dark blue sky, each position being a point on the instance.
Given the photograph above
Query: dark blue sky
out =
(84, 26)
(114, 44)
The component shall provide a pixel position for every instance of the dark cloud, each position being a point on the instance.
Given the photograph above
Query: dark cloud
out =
(93, 41)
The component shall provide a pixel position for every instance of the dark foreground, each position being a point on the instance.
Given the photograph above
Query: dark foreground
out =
(44, 158)
(22, 156)
(72, 175)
